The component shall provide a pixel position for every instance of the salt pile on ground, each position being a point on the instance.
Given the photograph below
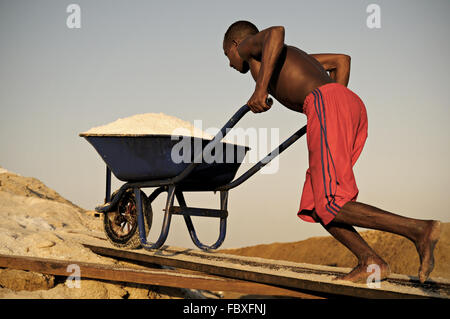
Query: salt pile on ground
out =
(3, 170)
(36, 221)
(148, 123)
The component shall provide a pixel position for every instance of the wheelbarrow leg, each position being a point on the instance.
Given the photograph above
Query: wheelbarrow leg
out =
(166, 223)
(108, 185)
(191, 228)
(156, 193)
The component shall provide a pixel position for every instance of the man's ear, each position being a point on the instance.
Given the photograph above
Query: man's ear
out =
(235, 42)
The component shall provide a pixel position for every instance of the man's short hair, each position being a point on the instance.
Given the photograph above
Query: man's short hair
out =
(239, 30)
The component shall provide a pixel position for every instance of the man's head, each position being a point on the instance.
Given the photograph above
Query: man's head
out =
(237, 32)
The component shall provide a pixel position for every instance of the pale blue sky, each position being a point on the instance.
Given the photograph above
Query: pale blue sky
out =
(133, 57)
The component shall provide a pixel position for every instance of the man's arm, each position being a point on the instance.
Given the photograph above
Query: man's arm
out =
(266, 44)
(338, 65)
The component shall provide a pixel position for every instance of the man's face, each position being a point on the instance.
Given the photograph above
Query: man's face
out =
(236, 62)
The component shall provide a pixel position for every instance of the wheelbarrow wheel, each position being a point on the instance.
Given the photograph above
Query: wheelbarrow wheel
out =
(121, 226)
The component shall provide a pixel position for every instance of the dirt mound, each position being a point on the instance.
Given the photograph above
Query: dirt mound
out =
(399, 252)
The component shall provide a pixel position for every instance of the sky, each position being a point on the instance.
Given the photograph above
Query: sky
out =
(133, 57)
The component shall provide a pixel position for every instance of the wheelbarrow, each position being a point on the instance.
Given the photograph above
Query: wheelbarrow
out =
(144, 161)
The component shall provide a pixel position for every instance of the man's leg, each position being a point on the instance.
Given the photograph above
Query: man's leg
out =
(350, 238)
(423, 233)
(337, 130)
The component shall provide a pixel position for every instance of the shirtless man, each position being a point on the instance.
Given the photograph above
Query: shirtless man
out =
(315, 84)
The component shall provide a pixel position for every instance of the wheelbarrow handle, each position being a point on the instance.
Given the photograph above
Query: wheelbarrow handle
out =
(230, 124)
(216, 140)
(266, 160)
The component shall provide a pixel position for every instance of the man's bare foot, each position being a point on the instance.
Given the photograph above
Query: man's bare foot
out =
(425, 247)
(360, 273)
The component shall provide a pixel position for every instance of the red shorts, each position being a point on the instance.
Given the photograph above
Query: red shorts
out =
(336, 133)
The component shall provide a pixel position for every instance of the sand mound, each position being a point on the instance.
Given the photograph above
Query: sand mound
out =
(3, 170)
(36, 221)
(29, 187)
(399, 252)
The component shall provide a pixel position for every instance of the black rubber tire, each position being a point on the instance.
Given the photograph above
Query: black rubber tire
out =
(131, 239)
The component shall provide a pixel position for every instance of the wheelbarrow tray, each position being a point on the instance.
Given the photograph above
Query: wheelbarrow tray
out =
(135, 158)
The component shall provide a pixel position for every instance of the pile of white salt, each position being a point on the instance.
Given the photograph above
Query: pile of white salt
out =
(148, 124)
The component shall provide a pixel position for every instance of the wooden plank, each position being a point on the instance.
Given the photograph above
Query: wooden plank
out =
(312, 279)
(168, 278)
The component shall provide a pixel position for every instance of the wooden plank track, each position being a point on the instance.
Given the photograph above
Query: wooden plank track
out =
(312, 279)
(168, 278)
